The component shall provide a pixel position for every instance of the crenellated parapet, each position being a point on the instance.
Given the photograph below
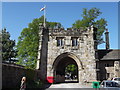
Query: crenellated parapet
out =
(70, 31)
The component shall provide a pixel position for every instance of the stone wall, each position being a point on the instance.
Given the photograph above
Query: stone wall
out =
(12, 75)
(90, 61)
(109, 69)
(43, 52)
(84, 51)
(117, 69)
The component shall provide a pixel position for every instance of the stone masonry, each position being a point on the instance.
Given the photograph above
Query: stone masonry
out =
(58, 46)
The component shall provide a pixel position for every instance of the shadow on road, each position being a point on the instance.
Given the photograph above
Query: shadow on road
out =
(66, 82)
(71, 81)
(46, 86)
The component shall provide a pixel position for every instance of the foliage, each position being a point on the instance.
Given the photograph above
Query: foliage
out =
(89, 17)
(34, 84)
(8, 51)
(71, 69)
(28, 42)
(54, 25)
(33, 81)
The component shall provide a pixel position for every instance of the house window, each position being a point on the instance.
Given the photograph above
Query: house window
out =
(60, 41)
(107, 75)
(74, 41)
(107, 65)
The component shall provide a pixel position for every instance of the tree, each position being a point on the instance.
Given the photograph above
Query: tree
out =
(28, 42)
(89, 17)
(8, 47)
(71, 69)
(54, 25)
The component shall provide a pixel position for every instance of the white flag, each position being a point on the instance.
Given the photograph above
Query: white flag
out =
(43, 8)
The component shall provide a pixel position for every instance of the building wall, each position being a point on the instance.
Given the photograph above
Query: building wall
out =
(84, 54)
(109, 69)
(117, 68)
(84, 51)
(106, 70)
(108, 63)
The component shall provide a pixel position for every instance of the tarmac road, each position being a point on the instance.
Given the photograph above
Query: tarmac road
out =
(68, 86)
(75, 86)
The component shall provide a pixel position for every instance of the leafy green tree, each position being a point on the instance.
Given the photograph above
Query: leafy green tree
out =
(8, 47)
(89, 17)
(71, 69)
(28, 42)
(54, 25)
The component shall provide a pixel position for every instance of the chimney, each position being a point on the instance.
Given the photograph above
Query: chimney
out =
(107, 39)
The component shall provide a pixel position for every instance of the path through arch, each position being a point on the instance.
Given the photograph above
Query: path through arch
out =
(59, 67)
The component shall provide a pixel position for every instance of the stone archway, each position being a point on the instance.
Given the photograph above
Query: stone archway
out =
(60, 64)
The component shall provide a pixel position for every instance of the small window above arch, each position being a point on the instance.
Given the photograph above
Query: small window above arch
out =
(74, 41)
(60, 41)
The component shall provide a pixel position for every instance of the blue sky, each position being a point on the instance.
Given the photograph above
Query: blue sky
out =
(17, 15)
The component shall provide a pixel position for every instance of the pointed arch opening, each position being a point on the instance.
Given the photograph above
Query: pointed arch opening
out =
(66, 68)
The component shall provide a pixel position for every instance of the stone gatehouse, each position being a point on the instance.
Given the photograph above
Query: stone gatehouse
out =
(59, 48)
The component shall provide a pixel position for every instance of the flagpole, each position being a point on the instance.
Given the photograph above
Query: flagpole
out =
(44, 16)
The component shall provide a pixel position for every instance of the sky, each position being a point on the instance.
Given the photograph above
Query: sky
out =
(17, 15)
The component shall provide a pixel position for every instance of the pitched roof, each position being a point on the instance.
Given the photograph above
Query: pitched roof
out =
(112, 54)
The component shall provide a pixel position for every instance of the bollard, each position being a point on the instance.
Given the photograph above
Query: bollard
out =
(96, 84)
(23, 83)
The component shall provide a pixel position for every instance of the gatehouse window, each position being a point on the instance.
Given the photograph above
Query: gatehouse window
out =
(74, 41)
(59, 41)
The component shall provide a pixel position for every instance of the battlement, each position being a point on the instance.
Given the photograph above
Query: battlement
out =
(70, 31)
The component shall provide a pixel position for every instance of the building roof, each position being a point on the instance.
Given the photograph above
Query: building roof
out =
(112, 54)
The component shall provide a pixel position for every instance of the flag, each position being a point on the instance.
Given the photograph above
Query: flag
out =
(42, 8)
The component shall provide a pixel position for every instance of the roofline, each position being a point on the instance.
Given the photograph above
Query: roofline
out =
(109, 59)
(108, 49)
